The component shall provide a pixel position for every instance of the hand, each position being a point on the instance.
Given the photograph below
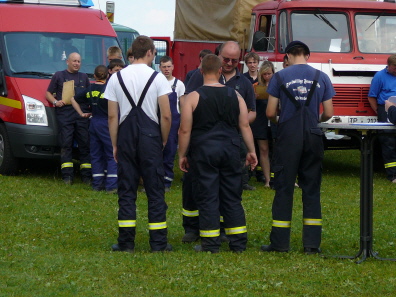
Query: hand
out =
(86, 114)
(59, 103)
(251, 159)
(183, 164)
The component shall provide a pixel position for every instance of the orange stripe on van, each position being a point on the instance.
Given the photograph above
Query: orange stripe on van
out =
(10, 102)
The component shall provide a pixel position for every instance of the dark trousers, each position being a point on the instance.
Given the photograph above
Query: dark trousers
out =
(297, 152)
(140, 154)
(104, 167)
(170, 152)
(218, 190)
(388, 146)
(72, 126)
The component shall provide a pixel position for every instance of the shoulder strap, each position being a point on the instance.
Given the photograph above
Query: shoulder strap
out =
(146, 88)
(128, 95)
(174, 85)
(121, 81)
(313, 87)
(283, 88)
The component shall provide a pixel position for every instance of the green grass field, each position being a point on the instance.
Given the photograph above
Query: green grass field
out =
(55, 241)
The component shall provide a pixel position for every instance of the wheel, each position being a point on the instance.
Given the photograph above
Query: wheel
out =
(8, 163)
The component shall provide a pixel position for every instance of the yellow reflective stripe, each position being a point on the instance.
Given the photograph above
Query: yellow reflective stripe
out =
(313, 222)
(190, 213)
(281, 224)
(209, 233)
(10, 102)
(157, 226)
(258, 168)
(85, 165)
(272, 174)
(235, 230)
(221, 219)
(388, 165)
(67, 165)
(126, 223)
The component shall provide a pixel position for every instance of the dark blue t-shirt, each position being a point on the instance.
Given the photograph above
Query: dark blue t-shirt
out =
(94, 97)
(251, 79)
(298, 80)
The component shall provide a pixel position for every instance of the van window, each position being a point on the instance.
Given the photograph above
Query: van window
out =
(322, 32)
(45, 53)
(376, 33)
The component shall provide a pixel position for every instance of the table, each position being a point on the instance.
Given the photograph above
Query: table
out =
(366, 133)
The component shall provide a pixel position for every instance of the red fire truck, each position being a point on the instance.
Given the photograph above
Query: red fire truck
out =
(350, 40)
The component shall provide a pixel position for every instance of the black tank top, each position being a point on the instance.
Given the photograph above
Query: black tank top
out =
(215, 105)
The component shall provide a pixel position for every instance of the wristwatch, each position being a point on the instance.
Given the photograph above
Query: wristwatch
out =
(54, 103)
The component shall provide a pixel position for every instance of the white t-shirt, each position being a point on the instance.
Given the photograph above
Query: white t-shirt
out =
(180, 89)
(135, 78)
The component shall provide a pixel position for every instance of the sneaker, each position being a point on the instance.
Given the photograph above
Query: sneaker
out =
(312, 251)
(168, 248)
(269, 248)
(143, 190)
(117, 248)
(190, 237)
(114, 191)
(68, 180)
(198, 248)
(167, 189)
(394, 181)
(248, 187)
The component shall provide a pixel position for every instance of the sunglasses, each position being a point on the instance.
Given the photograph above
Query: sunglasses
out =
(227, 60)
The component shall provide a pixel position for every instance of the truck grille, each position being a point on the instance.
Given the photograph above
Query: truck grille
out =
(347, 96)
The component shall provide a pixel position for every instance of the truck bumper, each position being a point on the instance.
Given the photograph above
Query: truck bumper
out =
(34, 142)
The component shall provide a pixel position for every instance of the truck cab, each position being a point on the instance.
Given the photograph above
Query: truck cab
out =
(349, 40)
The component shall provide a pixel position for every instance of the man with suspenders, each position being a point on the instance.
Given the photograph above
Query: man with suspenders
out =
(166, 67)
(299, 90)
(138, 137)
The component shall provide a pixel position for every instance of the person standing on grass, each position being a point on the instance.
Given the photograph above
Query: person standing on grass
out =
(166, 67)
(229, 53)
(138, 136)
(210, 120)
(70, 124)
(104, 168)
(382, 87)
(299, 90)
(261, 130)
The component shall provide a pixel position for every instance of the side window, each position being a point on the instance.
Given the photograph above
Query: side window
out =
(264, 38)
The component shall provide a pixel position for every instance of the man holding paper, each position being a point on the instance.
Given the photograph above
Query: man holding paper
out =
(64, 85)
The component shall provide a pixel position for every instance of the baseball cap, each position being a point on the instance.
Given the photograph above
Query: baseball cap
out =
(296, 43)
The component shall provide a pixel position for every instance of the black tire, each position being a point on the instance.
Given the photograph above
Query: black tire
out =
(8, 163)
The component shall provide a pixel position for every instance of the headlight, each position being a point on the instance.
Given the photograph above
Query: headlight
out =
(35, 112)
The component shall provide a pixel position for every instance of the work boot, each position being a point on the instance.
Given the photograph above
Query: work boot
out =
(168, 248)
(190, 237)
(312, 251)
(117, 248)
(269, 248)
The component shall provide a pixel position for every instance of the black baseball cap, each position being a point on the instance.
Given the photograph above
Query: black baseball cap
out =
(297, 43)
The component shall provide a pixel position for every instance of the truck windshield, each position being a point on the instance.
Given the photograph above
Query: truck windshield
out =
(42, 54)
(322, 32)
(376, 33)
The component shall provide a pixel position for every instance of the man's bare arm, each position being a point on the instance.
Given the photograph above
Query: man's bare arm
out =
(166, 117)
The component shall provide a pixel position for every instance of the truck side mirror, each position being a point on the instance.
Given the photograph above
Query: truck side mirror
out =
(260, 41)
